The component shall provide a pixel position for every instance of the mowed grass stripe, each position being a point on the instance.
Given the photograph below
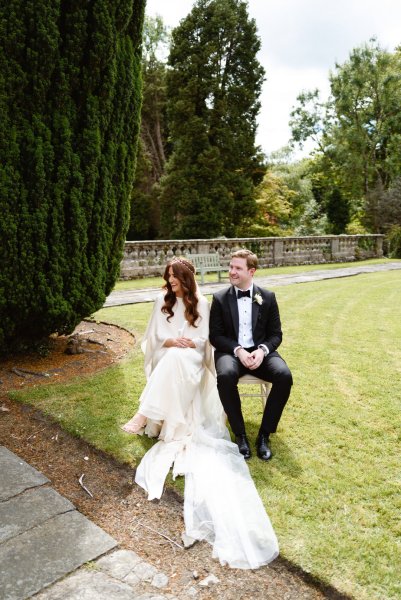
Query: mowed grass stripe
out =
(340, 430)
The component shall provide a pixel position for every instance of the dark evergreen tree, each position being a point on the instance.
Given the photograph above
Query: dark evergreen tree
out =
(383, 207)
(70, 95)
(337, 212)
(144, 216)
(213, 89)
(153, 147)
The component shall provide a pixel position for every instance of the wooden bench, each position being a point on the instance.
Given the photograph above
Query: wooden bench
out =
(205, 263)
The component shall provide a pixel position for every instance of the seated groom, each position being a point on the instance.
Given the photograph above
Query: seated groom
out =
(245, 330)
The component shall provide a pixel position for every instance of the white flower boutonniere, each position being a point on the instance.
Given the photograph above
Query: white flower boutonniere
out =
(258, 298)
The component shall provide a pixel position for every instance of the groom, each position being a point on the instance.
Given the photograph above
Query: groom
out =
(245, 330)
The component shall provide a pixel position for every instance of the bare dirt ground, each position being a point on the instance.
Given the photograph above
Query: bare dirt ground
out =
(152, 529)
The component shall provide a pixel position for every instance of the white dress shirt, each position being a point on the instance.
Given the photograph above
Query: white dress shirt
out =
(245, 335)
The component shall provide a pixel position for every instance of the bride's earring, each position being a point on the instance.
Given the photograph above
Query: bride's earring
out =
(136, 425)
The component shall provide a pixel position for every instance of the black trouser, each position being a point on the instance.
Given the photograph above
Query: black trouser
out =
(273, 369)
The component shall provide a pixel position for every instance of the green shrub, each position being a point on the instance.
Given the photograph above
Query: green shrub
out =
(394, 242)
(70, 96)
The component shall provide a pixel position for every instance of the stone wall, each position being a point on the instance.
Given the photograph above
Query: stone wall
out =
(148, 258)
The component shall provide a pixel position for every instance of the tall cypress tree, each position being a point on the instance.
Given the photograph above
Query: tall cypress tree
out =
(70, 95)
(213, 89)
(153, 144)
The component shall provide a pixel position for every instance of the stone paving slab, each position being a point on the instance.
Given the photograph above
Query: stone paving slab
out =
(29, 509)
(120, 575)
(16, 475)
(119, 564)
(89, 585)
(44, 554)
(121, 297)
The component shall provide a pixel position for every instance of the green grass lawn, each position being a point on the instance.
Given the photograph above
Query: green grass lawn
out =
(332, 489)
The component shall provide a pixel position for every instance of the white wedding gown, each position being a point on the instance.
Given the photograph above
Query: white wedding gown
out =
(181, 403)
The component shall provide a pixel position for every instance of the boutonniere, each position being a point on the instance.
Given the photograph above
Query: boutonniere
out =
(258, 299)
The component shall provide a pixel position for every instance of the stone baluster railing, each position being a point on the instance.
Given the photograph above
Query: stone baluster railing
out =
(148, 258)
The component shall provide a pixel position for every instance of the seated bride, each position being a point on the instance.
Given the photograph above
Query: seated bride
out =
(180, 404)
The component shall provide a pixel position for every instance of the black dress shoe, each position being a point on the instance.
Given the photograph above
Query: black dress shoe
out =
(262, 447)
(243, 445)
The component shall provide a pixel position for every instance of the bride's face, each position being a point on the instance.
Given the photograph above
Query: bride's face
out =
(175, 283)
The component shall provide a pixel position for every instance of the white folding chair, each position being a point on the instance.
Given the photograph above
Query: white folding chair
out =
(264, 388)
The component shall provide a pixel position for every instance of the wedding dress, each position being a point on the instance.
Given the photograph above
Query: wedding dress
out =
(182, 406)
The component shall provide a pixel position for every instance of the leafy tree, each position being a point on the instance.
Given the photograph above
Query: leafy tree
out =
(273, 198)
(297, 176)
(358, 130)
(366, 93)
(70, 95)
(295, 210)
(153, 146)
(313, 220)
(213, 89)
(308, 119)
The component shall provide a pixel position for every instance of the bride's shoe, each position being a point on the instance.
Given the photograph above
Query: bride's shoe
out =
(136, 425)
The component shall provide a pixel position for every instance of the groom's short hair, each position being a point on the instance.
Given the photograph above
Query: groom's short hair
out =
(250, 257)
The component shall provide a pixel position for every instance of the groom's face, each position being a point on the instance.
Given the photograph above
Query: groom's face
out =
(239, 273)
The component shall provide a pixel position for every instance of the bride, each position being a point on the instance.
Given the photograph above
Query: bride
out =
(180, 404)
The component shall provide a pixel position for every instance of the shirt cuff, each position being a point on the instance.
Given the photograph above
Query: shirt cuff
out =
(264, 348)
(236, 350)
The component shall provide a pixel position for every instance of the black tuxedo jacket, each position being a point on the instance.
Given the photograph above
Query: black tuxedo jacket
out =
(224, 320)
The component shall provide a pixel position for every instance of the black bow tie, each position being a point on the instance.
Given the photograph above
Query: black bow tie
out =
(242, 294)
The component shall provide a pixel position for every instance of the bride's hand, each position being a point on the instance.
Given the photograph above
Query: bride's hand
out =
(180, 342)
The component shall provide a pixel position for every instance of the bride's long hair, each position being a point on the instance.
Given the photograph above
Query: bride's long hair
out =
(184, 271)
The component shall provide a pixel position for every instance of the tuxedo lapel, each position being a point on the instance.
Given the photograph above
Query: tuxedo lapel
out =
(255, 308)
(233, 305)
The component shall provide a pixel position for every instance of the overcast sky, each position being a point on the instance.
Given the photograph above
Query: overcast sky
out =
(301, 42)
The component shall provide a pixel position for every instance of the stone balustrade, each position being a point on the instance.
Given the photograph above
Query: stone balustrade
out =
(148, 258)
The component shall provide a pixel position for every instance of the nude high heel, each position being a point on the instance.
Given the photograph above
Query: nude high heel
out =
(136, 425)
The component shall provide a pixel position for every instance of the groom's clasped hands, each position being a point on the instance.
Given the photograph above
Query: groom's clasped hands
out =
(251, 360)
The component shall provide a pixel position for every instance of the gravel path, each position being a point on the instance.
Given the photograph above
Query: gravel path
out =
(118, 298)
